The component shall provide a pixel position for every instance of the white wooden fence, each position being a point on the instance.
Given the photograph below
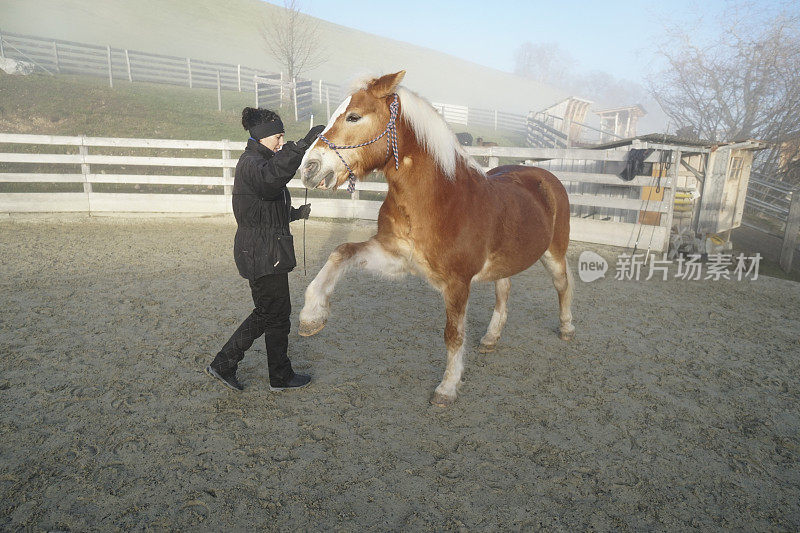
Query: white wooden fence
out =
(487, 118)
(66, 57)
(20, 167)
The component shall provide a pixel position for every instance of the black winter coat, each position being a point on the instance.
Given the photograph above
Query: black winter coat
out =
(263, 209)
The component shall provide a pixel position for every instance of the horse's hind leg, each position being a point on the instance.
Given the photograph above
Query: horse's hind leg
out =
(369, 255)
(489, 341)
(562, 279)
(456, 295)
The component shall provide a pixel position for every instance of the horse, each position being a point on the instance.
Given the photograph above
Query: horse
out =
(480, 142)
(443, 217)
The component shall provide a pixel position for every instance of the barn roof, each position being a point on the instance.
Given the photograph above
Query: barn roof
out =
(661, 138)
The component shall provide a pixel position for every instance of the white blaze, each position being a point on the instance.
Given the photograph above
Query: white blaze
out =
(339, 110)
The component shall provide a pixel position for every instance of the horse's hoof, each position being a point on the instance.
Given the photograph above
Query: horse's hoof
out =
(487, 348)
(440, 400)
(310, 328)
(566, 335)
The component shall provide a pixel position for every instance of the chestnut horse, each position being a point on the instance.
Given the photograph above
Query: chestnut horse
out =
(443, 218)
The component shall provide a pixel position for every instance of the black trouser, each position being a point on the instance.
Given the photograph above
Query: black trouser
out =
(269, 318)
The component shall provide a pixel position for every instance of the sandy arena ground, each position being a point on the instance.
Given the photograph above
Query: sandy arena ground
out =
(676, 407)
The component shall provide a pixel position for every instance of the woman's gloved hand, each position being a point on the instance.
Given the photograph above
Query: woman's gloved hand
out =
(301, 212)
(312, 135)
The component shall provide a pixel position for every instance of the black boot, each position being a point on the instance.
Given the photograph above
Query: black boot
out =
(297, 381)
(228, 379)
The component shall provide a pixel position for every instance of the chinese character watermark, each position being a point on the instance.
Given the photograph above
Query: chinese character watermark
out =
(688, 267)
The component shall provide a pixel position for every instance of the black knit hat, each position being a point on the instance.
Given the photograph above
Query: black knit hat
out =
(261, 122)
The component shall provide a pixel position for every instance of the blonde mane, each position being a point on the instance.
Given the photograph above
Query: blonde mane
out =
(433, 133)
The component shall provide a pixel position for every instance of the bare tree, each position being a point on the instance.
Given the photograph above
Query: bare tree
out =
(292, 38)
(548, 63)
(544, 62)
(744, 85)
(607, 90)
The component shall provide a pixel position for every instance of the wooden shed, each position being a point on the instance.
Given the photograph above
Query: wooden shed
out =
(559, 125)
(710, 182)
(619, 122)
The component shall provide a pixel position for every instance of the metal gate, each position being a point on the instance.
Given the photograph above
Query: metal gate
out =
(303, 99)
(271, 91)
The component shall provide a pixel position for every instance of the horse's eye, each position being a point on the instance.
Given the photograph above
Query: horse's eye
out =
(352, 117)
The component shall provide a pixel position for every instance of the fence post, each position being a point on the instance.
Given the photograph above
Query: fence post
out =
(255, 88)
(790, 233)
(239, 77)
(328, 102)
(85, 170)
(128, 63)
(493, 161)
(495, 120)
(2, 50)
(219, 93)
(669, 195)
(189, 69)
(55, 56)
(294, 93)
(226, 170)
(110, 72)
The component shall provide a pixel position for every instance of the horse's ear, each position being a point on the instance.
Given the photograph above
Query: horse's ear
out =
(386, 85)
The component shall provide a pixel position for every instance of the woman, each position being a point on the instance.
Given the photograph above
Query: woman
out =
(263, 247)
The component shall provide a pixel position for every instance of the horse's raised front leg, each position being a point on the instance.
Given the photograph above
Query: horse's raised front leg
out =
(456, 295)
(489, 341)
(369, 255)
(562, 279)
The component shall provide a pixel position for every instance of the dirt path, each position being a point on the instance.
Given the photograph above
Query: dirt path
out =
(676, 407)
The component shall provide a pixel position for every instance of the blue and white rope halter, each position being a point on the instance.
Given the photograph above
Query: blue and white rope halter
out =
(391, 144)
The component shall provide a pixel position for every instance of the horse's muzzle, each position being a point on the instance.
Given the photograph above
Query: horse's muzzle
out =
(312, 176)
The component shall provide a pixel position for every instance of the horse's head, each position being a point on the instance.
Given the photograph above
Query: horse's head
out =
(346, 141)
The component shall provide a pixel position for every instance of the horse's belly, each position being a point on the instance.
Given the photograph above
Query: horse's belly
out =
(493, 273)
(504, 266)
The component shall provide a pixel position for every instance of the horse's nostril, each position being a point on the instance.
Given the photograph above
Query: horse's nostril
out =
(311, 168)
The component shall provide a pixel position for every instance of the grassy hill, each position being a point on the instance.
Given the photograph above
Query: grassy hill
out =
(230, 32)
(76, 105)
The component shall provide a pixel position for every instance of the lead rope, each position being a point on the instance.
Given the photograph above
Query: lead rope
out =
(305, 202)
